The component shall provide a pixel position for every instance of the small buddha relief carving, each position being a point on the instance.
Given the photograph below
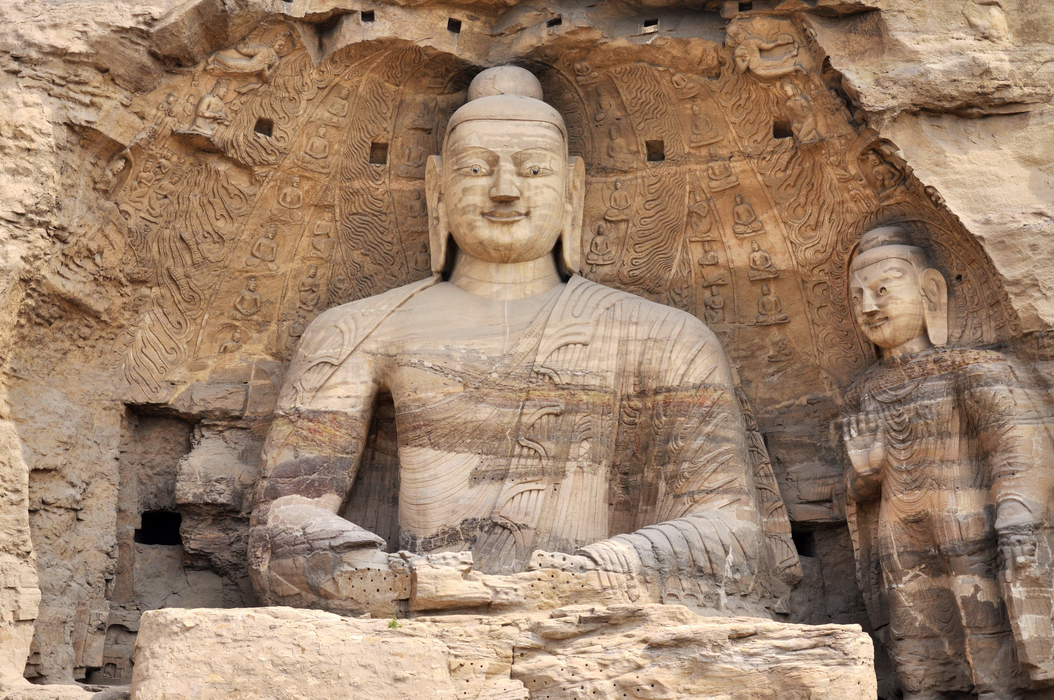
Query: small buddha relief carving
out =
(761, 265)
(719, 173)
(745, 221)
(770, 308)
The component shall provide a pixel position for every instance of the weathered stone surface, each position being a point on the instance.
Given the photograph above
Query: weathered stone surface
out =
(961, 88)
(652, 651)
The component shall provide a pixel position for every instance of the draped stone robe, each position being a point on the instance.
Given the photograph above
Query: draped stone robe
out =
(602, 415)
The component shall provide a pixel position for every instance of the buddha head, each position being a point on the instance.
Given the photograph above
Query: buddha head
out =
(898, 299)
(504, 187)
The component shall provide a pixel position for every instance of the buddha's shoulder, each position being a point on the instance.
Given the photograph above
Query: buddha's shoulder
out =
(587, 298)
(356, 319)
(370, 307)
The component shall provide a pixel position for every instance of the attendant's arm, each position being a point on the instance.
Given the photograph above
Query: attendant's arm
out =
(1016, 447)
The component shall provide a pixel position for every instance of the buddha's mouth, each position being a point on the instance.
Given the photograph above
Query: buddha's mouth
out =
(875, 322)
(504, 215)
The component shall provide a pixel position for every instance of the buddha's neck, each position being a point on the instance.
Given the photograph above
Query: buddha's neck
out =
(909, 348)
(504, 281)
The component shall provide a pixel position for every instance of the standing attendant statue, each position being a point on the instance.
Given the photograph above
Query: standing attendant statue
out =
(542, 423)
(949, 490)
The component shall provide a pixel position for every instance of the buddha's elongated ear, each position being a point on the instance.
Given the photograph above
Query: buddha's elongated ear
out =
(935, 305)
(438, 235)
(571, 236)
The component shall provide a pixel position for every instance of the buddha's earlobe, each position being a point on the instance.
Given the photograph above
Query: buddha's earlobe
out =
(571, 236)
(934, 290)
(437, 228)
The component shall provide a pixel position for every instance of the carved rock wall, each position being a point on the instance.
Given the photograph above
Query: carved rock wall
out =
(131, 229)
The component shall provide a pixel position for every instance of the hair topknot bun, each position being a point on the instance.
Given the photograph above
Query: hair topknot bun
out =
(505, 80)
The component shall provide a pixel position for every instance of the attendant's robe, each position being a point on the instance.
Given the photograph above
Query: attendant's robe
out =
(963, 441)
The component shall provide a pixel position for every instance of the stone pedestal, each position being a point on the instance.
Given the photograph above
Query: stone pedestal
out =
(628, 651)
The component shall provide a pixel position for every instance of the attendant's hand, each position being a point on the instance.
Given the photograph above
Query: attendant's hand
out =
(862, 434)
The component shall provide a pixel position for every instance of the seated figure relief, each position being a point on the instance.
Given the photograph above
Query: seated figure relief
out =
(546, 428)
(948, 491)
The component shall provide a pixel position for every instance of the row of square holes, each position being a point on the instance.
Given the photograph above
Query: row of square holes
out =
(656, 150)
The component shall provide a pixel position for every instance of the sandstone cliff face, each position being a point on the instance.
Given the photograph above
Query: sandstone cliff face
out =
(964, 91)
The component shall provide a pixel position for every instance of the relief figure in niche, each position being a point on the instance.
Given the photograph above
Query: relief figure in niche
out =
(264, 250)
(882, 175)
(948, 490)
(756, 53)
(805, 123)
(248, 302)
(600, 252)
(290, 199)
(248, 59)
(234, 344)
(309, 290)
(316, 154)
(322, 236)
(770, 308)
(414, 163)
(699, 221)
(703, 131)
(745, 221)
(618, 204)
(504, 467)
(719, 173)
(714, 306)
(709, 256)
(336, 106)
(210, 111)
(761, 265)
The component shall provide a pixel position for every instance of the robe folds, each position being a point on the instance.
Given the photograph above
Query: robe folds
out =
(609, 427)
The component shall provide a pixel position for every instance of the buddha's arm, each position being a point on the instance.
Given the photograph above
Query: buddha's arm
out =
(311, 455)
(1014, 444)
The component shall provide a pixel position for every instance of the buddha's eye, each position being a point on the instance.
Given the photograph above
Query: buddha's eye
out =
(476, 170)
(534, 170)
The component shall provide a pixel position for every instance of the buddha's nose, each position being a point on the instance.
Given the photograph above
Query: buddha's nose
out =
(867, 303)
(504, 188)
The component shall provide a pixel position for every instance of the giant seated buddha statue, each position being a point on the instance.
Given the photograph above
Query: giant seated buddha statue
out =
(548, 428)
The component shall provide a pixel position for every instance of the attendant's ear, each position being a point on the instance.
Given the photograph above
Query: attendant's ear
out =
(571, 236)
(438, 235)
(935, 305)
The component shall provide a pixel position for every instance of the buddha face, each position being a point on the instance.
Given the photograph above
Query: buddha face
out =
(505, 189)
(888, 302)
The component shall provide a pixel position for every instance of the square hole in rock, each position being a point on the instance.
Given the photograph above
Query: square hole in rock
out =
(555, 22)
(264, 127)
(454, 25)
(781, 129)
(378, 153)
(656, 151)
(159, 527)
(366, 16)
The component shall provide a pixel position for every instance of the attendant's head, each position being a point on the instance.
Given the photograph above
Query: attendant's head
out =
(898, 299)
(504, 186)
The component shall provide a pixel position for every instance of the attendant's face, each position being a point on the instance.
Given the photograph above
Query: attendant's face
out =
(887, 302)
(505, 189)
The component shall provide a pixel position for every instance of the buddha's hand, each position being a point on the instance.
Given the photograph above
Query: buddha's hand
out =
(302, 529)
(862, 434)
(1017, 536)
(616, 564)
